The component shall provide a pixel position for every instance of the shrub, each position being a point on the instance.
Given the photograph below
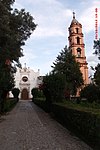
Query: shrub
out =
(43, 104)
(34, 93)
(53, 87)
(9, 104)
(91, 93)
(15, 92)
(84, 124)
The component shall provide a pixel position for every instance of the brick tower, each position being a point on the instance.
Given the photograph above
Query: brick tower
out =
(77, 46)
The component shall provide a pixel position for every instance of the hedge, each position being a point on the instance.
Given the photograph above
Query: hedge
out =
(9, 104)
(83, 123)
(43, 104)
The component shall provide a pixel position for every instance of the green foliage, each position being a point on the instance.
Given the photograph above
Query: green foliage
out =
(54, 85)
(84, 124)
(9, 104)
(15, 92)
(97, 48)
(83, 119)
(64, 79)
(91, 93)
(7, 3)
(34, 93)
(6, 78)
(43, 104)
(97, 68)
(82, 106)
(66, 64)
(97, 75)
(15, 28)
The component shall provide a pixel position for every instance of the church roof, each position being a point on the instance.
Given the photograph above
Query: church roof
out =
(74, 21)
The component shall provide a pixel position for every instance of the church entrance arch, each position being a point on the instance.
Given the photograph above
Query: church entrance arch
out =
(24, 94)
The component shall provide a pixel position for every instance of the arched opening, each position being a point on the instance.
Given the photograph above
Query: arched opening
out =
(24, 94)
(77, 30)
(78, 40)
(78, 52)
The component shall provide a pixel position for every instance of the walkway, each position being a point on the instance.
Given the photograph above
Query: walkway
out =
(27, 127)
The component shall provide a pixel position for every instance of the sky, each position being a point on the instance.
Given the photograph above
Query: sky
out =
(53, 17)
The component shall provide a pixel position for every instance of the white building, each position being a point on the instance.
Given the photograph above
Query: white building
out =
(25, 80)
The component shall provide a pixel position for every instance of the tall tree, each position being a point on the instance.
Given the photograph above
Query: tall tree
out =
(97, 75)
(16, 26)
(53, 87)
(66, 64)
(97, 68)
(97, 48)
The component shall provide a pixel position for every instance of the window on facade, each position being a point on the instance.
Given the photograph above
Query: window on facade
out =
(77, 30)
(78, 52)
(25, 79)
(78, 40)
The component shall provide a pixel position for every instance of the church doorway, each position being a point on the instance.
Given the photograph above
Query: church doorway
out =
(24, 94)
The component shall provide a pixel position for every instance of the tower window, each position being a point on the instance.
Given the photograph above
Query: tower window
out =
(78, 40)
(25, 79)
(77, 30)
(78, 52)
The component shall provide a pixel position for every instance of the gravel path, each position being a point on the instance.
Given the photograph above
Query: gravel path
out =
(27, 127)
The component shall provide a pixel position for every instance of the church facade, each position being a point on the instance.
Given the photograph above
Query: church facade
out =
(77, 46)
(25, 80)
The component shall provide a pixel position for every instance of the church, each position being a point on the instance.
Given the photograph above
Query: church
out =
(25, 80)
(77, 46)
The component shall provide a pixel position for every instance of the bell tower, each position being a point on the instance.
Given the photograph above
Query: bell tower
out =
(77, 46)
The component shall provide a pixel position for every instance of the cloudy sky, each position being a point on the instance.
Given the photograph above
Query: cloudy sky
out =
(51, 35)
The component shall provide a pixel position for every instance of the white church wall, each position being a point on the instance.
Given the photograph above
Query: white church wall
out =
(26, 78)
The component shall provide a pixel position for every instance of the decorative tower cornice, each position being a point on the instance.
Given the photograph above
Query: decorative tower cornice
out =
(74, 21)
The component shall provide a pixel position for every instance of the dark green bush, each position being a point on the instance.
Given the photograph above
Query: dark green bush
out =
(91, 93)
(43, 104)
(53, 87)
(36, 93)
(15, 92)
(85, 124)
(9, 104)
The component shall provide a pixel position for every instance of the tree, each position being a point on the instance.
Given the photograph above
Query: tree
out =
(91, 93)
(34, 93)
(97, 75)
(97, 48)
(97, 68)
(15, 92)
(53, 87)
(15, 28)
(66, 64)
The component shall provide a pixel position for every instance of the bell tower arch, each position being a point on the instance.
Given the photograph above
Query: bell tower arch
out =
(77, 46)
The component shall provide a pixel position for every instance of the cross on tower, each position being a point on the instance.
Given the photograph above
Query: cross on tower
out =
(73, 15)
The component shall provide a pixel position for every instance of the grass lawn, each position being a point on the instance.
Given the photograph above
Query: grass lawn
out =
(88, 107)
